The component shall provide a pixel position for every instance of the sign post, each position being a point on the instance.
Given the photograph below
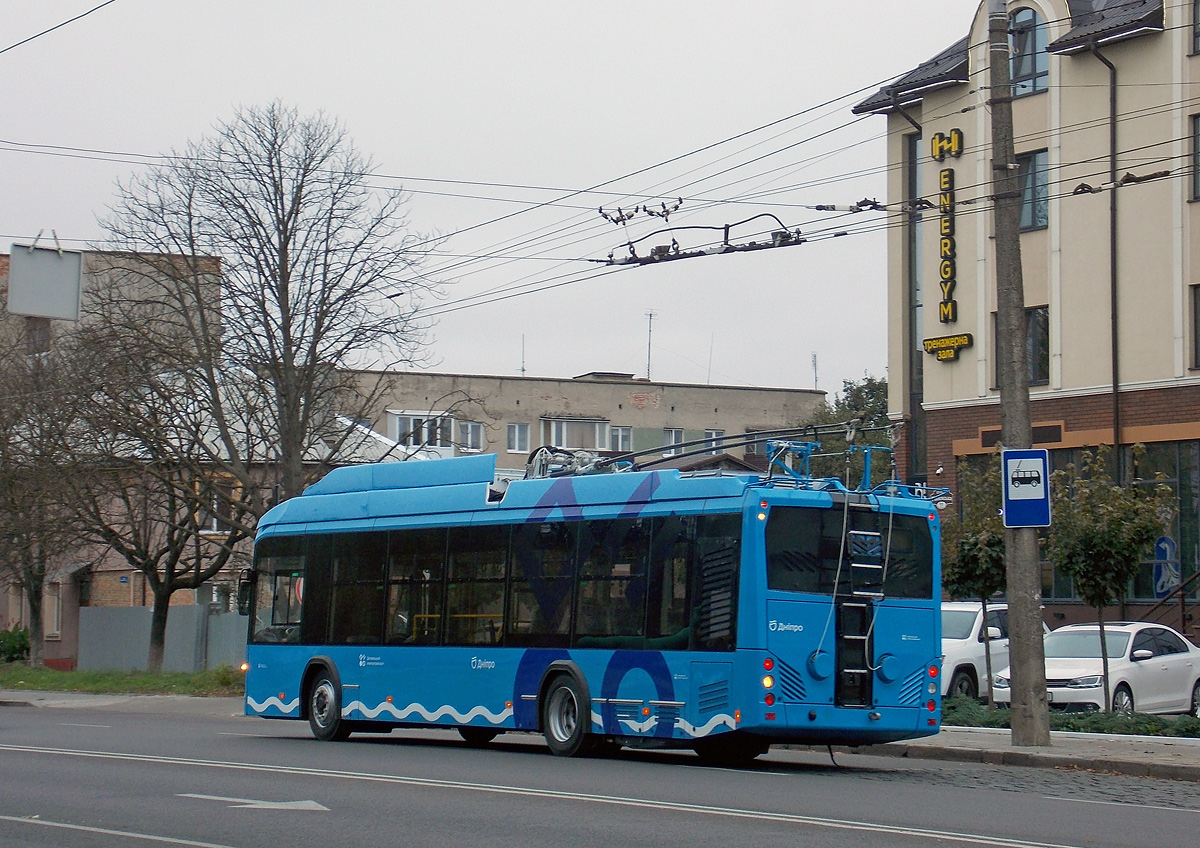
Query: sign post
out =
(1026, 484)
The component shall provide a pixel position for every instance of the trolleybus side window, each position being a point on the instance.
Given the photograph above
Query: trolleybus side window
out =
(416, 572)
(669, 620)
(279, 590)
(543, 580)
(612, 581)
(475, 566)
(716, 563)
(358, 588)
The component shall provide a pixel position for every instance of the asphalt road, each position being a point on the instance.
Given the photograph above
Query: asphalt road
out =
(92, 777)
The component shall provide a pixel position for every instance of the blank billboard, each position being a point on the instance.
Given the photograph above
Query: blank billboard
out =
(44, 282)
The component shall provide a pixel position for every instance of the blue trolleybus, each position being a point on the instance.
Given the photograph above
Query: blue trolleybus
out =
(599, 604)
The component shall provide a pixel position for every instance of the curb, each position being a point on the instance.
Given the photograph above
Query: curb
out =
(1034, 759)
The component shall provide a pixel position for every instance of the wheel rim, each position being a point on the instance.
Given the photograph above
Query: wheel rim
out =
(563, 715)
(1196, 700)
(322, 703)
(1122, 701)
(962, 686)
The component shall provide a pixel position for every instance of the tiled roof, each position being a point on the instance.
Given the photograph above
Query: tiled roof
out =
(1107, 21)
(1094, 22)
(946, 68)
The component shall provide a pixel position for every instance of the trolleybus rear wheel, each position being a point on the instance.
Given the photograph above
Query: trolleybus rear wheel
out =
(477, 736)
(325, 710)
(565, 718)
(731, 750)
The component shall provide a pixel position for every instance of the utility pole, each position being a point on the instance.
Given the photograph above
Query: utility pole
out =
(649, 333)
(1030, 714)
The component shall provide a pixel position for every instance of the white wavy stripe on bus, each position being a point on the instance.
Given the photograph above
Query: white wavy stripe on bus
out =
(441, 712)
(639, 726)
(707, 727)
(286, 709)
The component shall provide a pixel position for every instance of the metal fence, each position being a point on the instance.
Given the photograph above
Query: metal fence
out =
(198, 638)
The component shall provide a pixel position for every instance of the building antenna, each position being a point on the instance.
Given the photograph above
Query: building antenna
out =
(815, 369)
(522, 354)
(649, 333)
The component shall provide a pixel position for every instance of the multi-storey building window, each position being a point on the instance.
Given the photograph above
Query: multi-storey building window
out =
(1030, 61)
(1196, 326)
(620, 439)
(672, 436)
(714, 440)
(572, 433)
(423, 430)
(470, 436)
(1037, 344)
(518, 438)
(1196, 26)
(1196, 155)
(1032, 172)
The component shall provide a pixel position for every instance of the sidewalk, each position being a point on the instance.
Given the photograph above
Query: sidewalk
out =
(1138, 756)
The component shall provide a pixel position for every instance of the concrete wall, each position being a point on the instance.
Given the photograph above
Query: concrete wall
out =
(114, 638)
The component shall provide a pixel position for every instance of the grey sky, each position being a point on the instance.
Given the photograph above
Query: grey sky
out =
(563, 95)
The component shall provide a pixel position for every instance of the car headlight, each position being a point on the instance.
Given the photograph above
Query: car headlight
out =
(1089, 681)
(1000, 681)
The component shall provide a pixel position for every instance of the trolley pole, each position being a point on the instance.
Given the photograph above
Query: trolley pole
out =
(1030, 714)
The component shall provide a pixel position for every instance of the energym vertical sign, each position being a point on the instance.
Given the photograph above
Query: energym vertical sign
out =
(946, 348)
(943, 146)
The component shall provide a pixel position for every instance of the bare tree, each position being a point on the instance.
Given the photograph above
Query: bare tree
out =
(318, 274)
(40, 403)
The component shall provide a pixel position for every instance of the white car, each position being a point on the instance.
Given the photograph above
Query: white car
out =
(964, 666)
(1152, 669)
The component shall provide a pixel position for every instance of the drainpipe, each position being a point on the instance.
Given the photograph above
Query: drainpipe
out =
(1112, 254)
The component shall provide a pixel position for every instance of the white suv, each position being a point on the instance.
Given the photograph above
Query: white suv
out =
(964, 665)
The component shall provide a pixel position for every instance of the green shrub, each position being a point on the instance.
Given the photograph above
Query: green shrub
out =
(14, 645)
(961, 711)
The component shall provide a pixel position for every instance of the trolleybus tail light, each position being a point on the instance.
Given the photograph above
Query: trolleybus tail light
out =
(768, 664)
(770, 699)
(931, 705)
(770, 716)
(768, 681)
(244, 666)
(933, 671)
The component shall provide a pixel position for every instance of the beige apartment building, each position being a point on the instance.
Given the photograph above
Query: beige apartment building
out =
(603, 412)
(1106, 112)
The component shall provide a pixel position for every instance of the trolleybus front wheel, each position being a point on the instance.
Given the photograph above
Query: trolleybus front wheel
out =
(325, 710)
(565, 718)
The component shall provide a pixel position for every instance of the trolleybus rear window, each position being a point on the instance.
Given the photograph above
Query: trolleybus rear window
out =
(807, 552)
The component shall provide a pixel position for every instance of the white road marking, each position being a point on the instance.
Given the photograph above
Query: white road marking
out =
(250, 804)
(1120, 804)
(69, 724)
(125, 834)
(527, 792)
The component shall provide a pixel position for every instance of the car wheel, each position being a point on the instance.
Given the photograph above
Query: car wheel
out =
(1122, 700)
(565, 719)
(962, 683)
(1195, 710)
(325, 710)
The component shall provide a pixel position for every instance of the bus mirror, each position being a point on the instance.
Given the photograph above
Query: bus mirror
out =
(243, 596)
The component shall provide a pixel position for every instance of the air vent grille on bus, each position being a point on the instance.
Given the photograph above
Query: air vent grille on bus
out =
(667, 715)
(912, 690)
(790, 682)
(714, 697)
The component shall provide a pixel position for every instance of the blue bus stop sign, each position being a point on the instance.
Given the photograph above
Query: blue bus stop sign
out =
(1026, 485)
